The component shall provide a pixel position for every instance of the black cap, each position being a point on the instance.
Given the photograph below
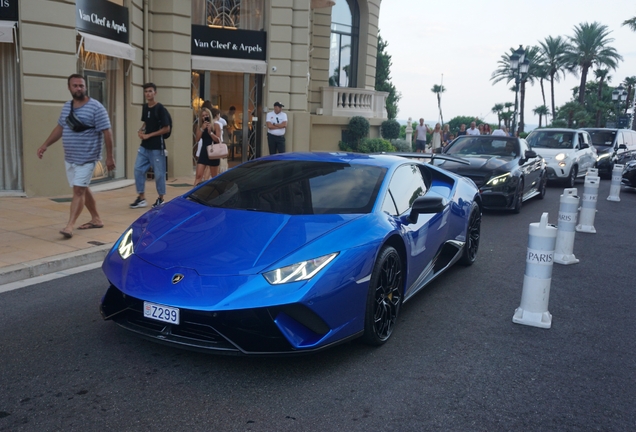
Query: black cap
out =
(278, 104)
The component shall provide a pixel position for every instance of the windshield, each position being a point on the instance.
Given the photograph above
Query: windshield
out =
(602, 137)
(551, 139)
(294, 187)
(484, 145)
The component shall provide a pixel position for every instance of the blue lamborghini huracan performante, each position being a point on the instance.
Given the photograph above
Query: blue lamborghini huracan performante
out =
(291, 253)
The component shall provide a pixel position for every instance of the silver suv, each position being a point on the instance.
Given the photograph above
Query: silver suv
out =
(568, 153)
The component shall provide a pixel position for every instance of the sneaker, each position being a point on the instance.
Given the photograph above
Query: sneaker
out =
(157, 203)
(139, 203)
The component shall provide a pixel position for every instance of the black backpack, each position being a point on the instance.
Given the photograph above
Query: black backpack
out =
(167, 134)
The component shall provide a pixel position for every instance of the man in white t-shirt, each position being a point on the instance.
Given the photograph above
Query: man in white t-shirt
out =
(473, 130)
(499, 132)
(420, 136)
(276, 123)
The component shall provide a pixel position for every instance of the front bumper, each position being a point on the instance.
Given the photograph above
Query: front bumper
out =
(492, 200)
(556, 172)
(257, 331)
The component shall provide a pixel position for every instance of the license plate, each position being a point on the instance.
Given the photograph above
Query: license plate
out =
(161, 313)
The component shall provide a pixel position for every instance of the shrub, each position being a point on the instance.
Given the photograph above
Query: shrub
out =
(345, 147)
(358, 128)
(390, 129)
(374, 145)
(402, 145)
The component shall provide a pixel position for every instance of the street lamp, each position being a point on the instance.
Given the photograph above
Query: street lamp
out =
(619, 95)
(519, 64)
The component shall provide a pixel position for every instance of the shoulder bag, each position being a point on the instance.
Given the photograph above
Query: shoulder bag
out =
(217, 151)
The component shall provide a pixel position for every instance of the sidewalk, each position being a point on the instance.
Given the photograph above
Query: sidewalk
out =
(30, 243)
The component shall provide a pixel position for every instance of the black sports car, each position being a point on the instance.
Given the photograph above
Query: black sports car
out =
(505, 169)
(629, 174)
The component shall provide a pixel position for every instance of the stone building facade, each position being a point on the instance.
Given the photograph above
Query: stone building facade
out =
(316, 57)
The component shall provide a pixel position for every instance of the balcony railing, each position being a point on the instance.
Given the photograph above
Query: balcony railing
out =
(349, 102)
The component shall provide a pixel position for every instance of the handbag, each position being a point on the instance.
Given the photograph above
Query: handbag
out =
(217, 151)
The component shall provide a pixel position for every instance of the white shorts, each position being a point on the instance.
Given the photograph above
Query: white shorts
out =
(79, 175)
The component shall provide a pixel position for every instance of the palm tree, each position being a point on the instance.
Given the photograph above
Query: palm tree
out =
(553, 51)
(601, 75)
(631, 23)
(498, 109)
(506, 116)
(438, 90)
(630, 83)
(541, 111)
(589, 47)
(506, 72)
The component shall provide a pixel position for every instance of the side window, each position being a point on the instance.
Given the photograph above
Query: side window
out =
(388, 206)
(581, 141)
(406, 186)
(619, 138)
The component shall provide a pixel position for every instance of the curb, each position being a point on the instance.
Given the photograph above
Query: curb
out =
(44, 266)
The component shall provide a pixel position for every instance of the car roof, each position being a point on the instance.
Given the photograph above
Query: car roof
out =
(558, 130)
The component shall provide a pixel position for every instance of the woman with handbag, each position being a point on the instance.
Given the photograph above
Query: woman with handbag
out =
(209, 132)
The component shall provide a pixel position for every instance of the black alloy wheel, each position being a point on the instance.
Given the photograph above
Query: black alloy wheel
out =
(473, 234)
(543, 185)
(518, 198)
(384, 297)
(571, 180)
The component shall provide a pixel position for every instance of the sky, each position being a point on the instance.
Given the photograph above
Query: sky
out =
(460, 43)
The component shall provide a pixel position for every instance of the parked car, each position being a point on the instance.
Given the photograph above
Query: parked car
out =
(568, 153)
(291, 253)
(505, 169)
(614, 146)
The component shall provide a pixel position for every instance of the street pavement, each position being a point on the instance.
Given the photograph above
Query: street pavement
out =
(456, 361)
(30, 242)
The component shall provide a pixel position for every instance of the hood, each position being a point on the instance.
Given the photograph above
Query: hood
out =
(551, 152)
(217, 241)
(602, 149)
(480, 163)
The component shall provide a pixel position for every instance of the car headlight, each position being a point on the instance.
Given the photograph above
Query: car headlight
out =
(560, 156)
(301, 271)
(499, 180)
(125, 247)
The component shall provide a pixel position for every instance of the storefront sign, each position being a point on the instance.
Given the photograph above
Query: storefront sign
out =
(8, 10)
(238, 44)
(102, 18)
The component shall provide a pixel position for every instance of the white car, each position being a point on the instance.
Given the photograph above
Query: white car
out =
(568, 153)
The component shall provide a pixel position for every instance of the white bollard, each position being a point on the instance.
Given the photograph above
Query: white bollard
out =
(592, 172)
(535, 296)
(588, 205)
(566, 228)
(615, 187)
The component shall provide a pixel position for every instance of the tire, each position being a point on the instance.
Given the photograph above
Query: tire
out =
(571, 180)
(473, 234)
(543, 186)
(518, 198)
(384, 297)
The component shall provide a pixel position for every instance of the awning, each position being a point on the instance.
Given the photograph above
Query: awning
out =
(107, 47)
(222, 64)
(6, 31)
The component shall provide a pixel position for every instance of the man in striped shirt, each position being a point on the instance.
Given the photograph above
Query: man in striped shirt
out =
(82, 124)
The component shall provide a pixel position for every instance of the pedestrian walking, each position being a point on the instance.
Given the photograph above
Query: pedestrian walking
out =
(83, 126)
(276, 125)
(420, 136)
(209, 133)
(151, 153)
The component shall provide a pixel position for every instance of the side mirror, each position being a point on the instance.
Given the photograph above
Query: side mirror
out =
(584, 146)
(530, 154)
(427, 205)
(622, 147)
